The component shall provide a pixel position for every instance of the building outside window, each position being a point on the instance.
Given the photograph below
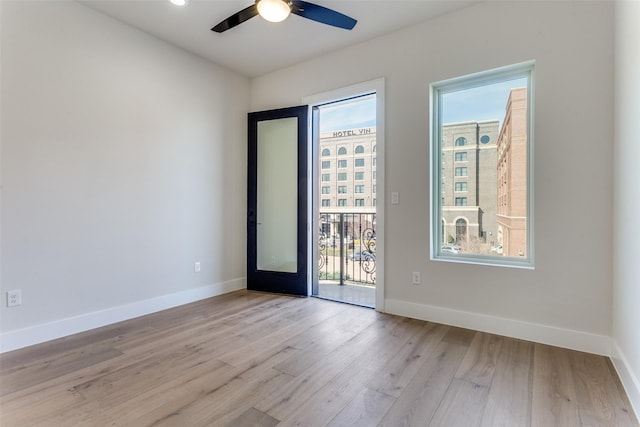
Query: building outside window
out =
(342, 189)
(359, 163)
(342, 176)
(359, 202)
(359, 189)
(326, 190)
(342, 202)
(326, 177)
(326, 202)
(492, 223)
(342, 163)
(326, 164)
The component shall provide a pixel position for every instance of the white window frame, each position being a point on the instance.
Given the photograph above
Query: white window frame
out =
(436, 91)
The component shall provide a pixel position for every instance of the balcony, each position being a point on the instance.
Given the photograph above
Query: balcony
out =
(347, 257)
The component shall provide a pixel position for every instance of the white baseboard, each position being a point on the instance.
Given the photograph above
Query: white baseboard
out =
(629, 379)
(566, 338)
(20, 338)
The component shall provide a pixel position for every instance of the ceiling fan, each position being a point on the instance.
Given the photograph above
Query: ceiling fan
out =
(279, 10)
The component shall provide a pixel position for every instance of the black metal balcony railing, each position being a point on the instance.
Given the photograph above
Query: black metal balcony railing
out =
(348, 248)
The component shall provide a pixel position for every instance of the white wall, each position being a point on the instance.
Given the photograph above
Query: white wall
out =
(566, 300)
(626, 251)
(123, 163)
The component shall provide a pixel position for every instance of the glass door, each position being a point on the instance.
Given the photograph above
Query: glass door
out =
(277, 201)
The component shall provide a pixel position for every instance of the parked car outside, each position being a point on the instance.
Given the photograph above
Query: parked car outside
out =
(450, 249)
(362, 256)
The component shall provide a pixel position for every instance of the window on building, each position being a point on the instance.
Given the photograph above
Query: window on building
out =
(342, 202)
(342, 189)
(326, 190)
(374, 161)
(342, 163)
(373, 188)
(492, 112)
(326, 202)
(358, 189)
(359, 149)
(359, 163)
(342, 151)
(326, 152)
(373, 202)
(359, 176)
(326, 177)
(373, 175)
(359, 202)
(326, 164)
(342, 176)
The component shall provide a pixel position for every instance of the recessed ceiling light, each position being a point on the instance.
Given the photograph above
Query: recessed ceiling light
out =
(179, 2)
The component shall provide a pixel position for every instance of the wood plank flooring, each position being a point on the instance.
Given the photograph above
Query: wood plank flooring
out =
(251, 359)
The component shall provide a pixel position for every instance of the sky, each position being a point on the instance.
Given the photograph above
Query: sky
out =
(482, 103)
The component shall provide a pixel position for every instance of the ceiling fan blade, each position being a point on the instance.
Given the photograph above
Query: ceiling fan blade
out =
(236, 19)
(322, 14)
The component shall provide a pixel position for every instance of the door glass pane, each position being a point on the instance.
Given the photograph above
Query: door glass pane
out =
(277, 204)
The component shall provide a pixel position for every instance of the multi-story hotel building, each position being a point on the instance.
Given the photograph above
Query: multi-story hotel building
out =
(347, 178)
(469, 176)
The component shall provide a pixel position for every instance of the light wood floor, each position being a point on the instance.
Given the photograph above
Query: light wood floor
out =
(250, 359)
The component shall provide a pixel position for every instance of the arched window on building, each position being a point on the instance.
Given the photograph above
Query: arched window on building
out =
(326, 152)
(461, 141)
(374, 148)
(461, 229)
(342, 151)
(359, 149)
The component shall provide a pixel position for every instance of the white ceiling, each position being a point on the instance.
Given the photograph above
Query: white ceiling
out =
(257, 47)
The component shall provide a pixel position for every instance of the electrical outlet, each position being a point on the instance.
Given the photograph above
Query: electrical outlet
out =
(196, 267)
(416, 278)
(14, 298)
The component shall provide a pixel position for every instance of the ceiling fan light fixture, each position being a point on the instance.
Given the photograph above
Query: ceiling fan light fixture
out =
(274, 10)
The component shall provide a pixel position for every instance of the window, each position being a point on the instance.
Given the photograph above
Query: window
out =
(373, 188)
(359, 149)
(326, 190)
(492, 112)
(326, 152)
(342, 202)
(373, 202)
(326, 177)
(342, 176)
(326, 164)
(359, 163)
(342, 189)
(374, 161)
(326, 202)
(359, 176)
(342, 163)
(373, 175)
(359, 189)
(342, 151)
(359, 202)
